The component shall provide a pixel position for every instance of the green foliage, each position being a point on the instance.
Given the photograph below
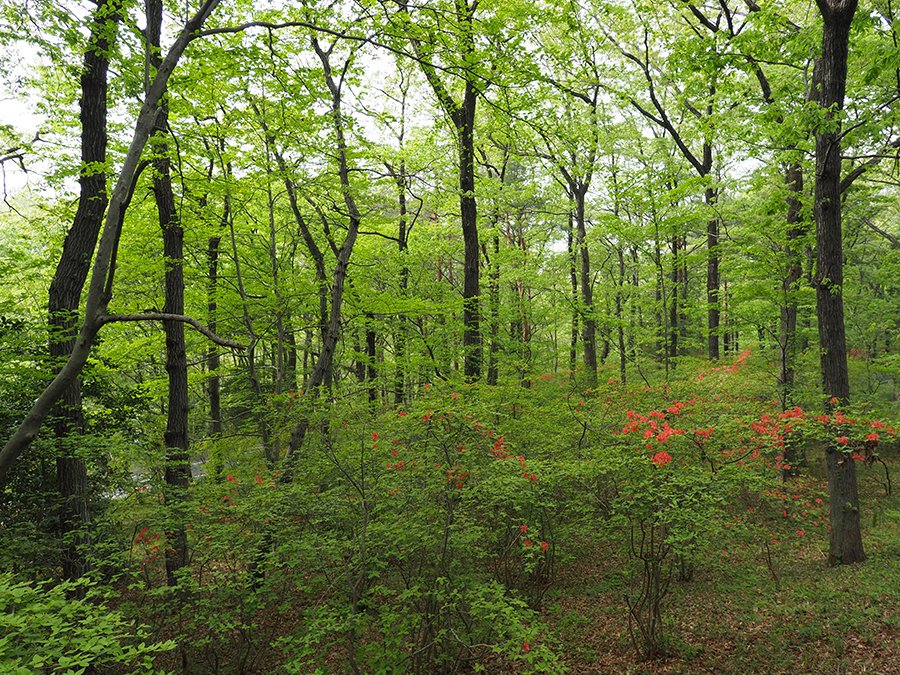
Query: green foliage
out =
(44, 629)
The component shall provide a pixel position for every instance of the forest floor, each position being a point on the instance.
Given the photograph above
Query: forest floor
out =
(757, 609)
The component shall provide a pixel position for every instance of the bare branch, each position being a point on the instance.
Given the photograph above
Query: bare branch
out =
(865, 166)
(163, 316)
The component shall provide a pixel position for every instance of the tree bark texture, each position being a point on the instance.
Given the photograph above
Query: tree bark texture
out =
(589, 324)
(845, 544)
(573, 281)
(472, 254)
(712, 274)
(787, 327)
(178, 469)
(68, 281)
(462, 116)
(400, 337)
(213, 384)
(100, 288)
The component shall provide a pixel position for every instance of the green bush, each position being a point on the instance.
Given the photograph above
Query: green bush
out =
(44, 630)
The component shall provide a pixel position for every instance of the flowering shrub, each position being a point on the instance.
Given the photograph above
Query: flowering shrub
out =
(426, 538)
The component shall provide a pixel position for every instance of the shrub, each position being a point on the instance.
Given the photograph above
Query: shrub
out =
(44, 630)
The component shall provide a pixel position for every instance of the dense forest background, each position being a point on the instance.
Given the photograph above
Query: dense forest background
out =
(334, 333)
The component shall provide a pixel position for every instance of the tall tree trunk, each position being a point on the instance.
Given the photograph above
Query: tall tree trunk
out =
(213, 382)
(472, 252)
(371, 355)
(64, 295)
(845, 545)
(712, 274)
(178, 469)
(523, 291)
(621, 324)
(462, 116)
(675, 305)
(573, 280)
(332, 333)
(589, 323)
(787, 326)
(493, 371)
(400, 337)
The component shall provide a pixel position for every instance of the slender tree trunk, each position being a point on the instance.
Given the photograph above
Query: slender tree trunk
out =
(371, 371)
(524, 295)
(846, 538)
(662, 354)
(273, 448)
(573, 280)
(213, 382)
(589, 323)
(262, 420)
(493, 371)
(400, 337)
(636, 320)
(462, 116)
(332, 333)
(787, 327)
(675, 304)
(619, 320)
(64, 296)
(712, 279)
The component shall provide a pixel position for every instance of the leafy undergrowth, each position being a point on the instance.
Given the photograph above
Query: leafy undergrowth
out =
(638, 529)
(766, 609)
(759, 605)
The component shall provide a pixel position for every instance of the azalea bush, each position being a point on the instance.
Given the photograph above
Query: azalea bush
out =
(427, 538)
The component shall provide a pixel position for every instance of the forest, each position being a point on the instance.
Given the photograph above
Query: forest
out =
(369, 336)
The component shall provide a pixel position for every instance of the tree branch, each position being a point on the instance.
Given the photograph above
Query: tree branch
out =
(164, 316)
(865, 166)
(98, 296)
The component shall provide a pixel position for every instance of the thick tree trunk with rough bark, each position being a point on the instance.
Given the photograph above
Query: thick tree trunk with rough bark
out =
(178, 470)
(846, 538)
(65, 291)
(102, 272)
(472, 252)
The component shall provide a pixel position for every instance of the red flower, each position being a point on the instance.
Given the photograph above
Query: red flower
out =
(232, 479)
(527, 543)
(524, 528)
(545, 545)
(872, 437)
(841, 439)
(661, 458)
